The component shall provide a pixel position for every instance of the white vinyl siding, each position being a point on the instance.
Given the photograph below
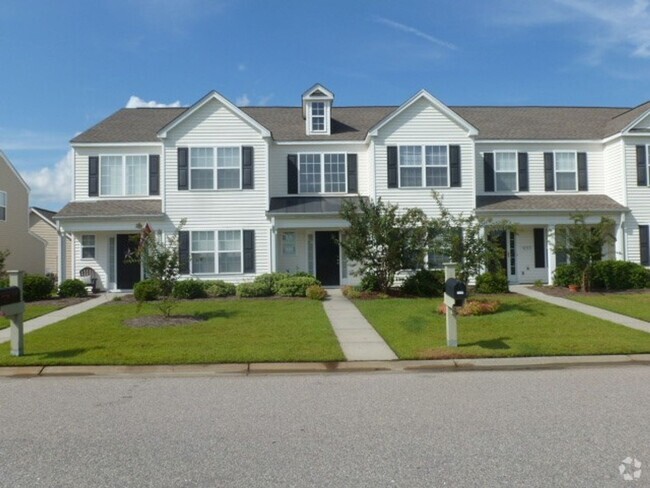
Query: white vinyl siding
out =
(505, 171)
(566, 171)
(123, 175)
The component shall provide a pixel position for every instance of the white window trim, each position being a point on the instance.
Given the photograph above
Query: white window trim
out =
(555, 171)
(4, 206)
(123, 194)
(216, 251)
(326, 115)
(214, 168)
(507, 192)
(322, 174)
(93, 247)
(423, 165)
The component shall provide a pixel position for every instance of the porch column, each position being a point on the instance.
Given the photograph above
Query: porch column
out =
(550, 252)
(619, 245)
(63, 257)
(274, 249)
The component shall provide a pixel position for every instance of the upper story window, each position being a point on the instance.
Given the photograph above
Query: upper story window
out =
(215, 168)
(318, 116)
(3, 206)
(505, 171)
(322, 173)
(423, 166)
(124, 175)
(566, 171)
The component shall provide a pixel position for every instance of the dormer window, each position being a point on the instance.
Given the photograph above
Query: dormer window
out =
(317, 110)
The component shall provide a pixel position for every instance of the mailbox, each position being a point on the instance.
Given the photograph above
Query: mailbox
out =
(9, 296)
(456, 290)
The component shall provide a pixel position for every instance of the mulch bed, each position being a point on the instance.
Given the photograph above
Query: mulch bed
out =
(563, 292)
(62, 302)
(162, 321)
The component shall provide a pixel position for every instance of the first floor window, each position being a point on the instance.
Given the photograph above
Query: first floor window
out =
(3, 206)
(423, 166)
(566, 171)
(216, 252)
(124, 175)
(88, 247)
(289, 244)
(505, 171)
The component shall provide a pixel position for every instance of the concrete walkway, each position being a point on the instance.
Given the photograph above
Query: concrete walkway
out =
(58, 315)
(600, 313)
(359, 340)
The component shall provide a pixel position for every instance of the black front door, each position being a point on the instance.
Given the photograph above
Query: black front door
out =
(128, 273)
(327, 258)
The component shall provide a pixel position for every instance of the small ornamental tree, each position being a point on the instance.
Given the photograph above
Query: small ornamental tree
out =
(383, 240)
(583, 243)
(465, 240)
(4, 254)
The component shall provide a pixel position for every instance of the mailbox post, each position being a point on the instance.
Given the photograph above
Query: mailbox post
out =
(12, 306)
(455, 295)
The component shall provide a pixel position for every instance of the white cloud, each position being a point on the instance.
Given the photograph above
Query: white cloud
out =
(416, 32)
(137, 102)
(243, 101)
(52, 185)
(28, 140)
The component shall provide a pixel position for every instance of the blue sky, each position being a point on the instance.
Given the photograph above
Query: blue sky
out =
(68, 64)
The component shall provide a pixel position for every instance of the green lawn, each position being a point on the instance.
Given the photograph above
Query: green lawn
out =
(523, 327)
(633, 304)
(235, 331)
(31, 312)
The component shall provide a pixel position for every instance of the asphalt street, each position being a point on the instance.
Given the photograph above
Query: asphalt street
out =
(547, 428)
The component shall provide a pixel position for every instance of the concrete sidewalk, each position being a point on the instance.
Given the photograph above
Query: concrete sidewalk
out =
(359, 340)
(58, 315)
(600, 313)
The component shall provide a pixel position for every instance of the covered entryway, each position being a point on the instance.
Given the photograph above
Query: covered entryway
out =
(328, 258)
(128, 271)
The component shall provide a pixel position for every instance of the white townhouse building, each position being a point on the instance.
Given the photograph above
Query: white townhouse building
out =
(261, 187)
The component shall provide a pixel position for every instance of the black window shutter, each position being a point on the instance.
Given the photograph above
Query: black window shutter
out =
(93, 176)
(183, 168)
(540, 251)
(154, 174)
(644, 245)
(549, 172)
(353, 186)
(454, 165)
(184, 252)
(641, 167)
(391, 158)
(292, 174)
(488, 171)
(522, 163)
(583, 184)
(247, 168)
(249, 251)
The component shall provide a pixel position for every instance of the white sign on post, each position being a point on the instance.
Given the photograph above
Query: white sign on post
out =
(450, 302)
(13, 308)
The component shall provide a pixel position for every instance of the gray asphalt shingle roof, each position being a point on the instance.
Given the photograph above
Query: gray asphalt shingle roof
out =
(308, 205)
(560, 203)
(111, 208)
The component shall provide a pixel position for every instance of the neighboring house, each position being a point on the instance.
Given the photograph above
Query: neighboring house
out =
(27, 251)
(261, 187)
(41, 224)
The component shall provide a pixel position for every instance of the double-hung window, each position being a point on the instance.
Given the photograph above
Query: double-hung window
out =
(322, 173)
(3, 206)
(566, 171)
(215, 168)
(318, 116)
(505, 171)
(87, 247)
(216, 251)
(125, 175)
(423, 166)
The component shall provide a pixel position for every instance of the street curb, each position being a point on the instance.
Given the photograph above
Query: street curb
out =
(404, 366)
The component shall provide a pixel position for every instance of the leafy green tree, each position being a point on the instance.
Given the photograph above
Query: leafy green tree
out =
(4, 254)
(383, 240)
(583, 243)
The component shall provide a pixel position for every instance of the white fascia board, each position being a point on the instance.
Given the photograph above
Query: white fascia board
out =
(116, 144)
(319, 143)
(471, 130)
(538, 141)
(213, 95)
(328, 94)
(635, 121)
(4, 157)
(47, 221)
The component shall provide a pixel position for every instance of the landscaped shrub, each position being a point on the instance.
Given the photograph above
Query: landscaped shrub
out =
(146, 290)
(270, 280)
(492, 283)
(219, 288)
(249, 290)
(37, 287)
(189, 290)
(72, 288)
(369, 282)
(474, 307)
(4, 282)
(618, 275)
(316, 292)
(567, 274)
(295, 286)
(351, 292)
(425, 283)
